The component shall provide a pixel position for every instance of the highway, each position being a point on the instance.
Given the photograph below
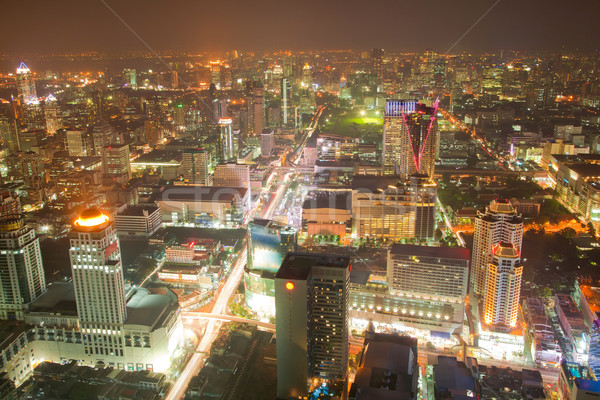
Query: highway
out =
(196, 315)
(293, 158)
(268, 212)
(212, 328)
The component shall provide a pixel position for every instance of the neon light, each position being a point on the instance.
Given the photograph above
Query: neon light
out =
(410, 140)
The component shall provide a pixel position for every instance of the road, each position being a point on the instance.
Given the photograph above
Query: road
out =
(197, 315)
(212, 329)
(449, 224)
(293, 158)
(268, 212)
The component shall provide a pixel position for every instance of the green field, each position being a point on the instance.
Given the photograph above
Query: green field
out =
(353, 124)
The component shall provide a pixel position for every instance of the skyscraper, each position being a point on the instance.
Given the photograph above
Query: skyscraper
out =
(503, 287)
(196, 167)
(286, 98)
(98, 282)
(311, 300)
(259, 111)
(228, 142)
(409, 137)
(52, 114)
(499, 223)
(25, 84)
(115, 163)
(22, 277)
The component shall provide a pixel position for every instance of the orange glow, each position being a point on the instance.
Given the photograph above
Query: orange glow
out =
(93, 221)
(289, 285)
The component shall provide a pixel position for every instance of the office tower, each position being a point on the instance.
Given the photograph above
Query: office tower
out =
(377, 62)
(250, 110)
(98, 282)
(440, 273)
(8, 133)
(115, 163)
(21, 271)
(382, 209)
(25, 84)
(267, 141)
(286, 98)
(409, 137)
(31, 168)
(52, 115)
(232, 175)
(228, 142)
(499, 223)
(79, 143)
(131, 78)
(307, 76)
(259, 111)
(10, 204)
(269, 243)
(503, 286)
(311, 300)
(196, 165)
(33, 115)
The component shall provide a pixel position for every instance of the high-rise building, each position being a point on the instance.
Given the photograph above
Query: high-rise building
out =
(269, 243)
(79, 143)
(131, 78)
(9, 134)
(499, 223)
(409, 137)
(103, 135)
(98, 281)
(232, 175)
(228, 141)
(196, 165)
(382, 209)
(115, 163)
(25, 84)
(52, 115)
(440, 273)
(259, 110)
(267, 141)
(21, 270)
(311, 299)
(286, 99)
(33, 116)
(503, 287)
(377, 62)
(10, 204)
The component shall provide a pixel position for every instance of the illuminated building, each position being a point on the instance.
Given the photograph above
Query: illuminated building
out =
(286, 98)
(10, 204)
(33, 115)
(8, 134)
(228, 141)
(131, 78)
(103, 135)
(499, 223)
(307, 75)
(21, 269)
(577, 382)
(377, 62)
(269, 243)
(100, 323)
(115, 163)
(196, 165)
(208, 206)
(259, 110)
(381, 210)
(138, 221)
(503, 287)
(52, 115)
(311, 298)
(232, 175)
(79, 143)
(409, 137)
(327, 213)
(267, 141)
(573, 324)
(25, 84)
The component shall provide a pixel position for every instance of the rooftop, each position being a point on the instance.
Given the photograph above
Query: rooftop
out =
(430, 251)
(201, 193)
(298, 265)
(138, 211)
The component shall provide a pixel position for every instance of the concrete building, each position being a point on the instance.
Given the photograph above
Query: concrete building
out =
(540, 336)
(22, 276)
(311, 299)
(387, 369)
(576, 382)
(196, 165)
(203, 206)
(499, 223)
(383, 209)
(115, 163)
(267, 142)
(409, 138)
(573, 324)
(327, 213)
(503, 287)
(232, 175)
(79, 143)
(138, 221)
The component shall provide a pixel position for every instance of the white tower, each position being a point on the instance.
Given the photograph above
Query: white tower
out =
(503, 287)
(98, 280)
(499, 223)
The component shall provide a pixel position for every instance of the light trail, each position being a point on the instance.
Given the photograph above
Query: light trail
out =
(212, 329)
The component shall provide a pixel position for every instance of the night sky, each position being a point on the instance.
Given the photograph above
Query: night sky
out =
(68, 25)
